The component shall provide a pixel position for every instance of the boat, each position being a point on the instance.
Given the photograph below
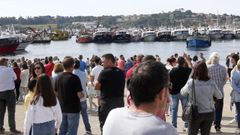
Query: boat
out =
(102, 35)
(39, 36)
(59, 35)
(237, 33)
(24, 42)
(8, 44)
(227, 34)
(135, 35)
(121, 36)
(198, 42)
(164, 35)
(215, 33)
(180, 34)
(84, 38)
(149, 36)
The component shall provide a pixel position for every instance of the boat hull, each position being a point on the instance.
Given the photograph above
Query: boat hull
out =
(215, 36)
(102, 39)
(41, 41)
(84, 40)
(149, 38)
(228, 36)
(198, 42)
(22, 46)
(237, 36)
(8, 45)
(121, 38)
(164, 38)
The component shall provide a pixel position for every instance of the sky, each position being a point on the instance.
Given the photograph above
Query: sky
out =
(26, 8)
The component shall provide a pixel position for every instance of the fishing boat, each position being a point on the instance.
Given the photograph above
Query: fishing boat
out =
(23, 42)
(84, 38)
(198, 42)
(228, 34)
(121, 36)
(180, 34)
(215, 33)
(149, 36)
(237, 33)
(164, 35)
(102, 35)
(8, 44)
(135, 35)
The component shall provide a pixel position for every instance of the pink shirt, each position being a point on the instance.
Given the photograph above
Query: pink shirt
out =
(121, 64)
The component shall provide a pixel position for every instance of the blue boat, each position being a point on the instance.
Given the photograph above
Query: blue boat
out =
(198, 42)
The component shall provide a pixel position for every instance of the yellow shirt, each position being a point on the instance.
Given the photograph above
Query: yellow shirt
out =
(27, 100)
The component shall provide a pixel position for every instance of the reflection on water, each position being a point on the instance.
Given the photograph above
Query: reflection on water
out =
(163, 49)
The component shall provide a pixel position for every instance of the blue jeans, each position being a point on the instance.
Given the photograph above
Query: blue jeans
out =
(238, 113)
(46, 128)
(174, 107)
(218, 113)
(70, 123)
(85, 116)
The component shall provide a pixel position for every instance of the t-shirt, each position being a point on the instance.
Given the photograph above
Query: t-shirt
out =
(133, 123)
(178, 77)
(120, 64)
(96, 71)
(49, 68)
(112, 82)
(67, 86)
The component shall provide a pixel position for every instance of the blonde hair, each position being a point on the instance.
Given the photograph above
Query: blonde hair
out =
(214, 58)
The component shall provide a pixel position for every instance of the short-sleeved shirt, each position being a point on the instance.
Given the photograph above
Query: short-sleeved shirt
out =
(67, 86)
(112, 82)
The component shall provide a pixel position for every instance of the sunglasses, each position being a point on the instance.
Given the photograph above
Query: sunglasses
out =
(37, 68)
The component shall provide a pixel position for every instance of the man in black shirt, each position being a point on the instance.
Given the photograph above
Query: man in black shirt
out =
(178, 78)
(69, 90)
(111, 83)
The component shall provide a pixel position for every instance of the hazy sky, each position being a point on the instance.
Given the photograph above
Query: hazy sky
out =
(112, 7)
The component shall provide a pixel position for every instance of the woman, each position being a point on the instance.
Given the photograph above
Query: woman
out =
(235, 95)
(58, 68)
(44, 111)
(37, 70)
(17, 71)
(24, 81)
(204, 89)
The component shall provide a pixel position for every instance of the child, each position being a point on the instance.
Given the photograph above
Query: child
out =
(91, 93)
(28, 97)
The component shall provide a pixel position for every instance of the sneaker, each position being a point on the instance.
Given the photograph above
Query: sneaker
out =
(15, 131)
(88, 133)
(184, 129)
(218, 131)
(2, 130)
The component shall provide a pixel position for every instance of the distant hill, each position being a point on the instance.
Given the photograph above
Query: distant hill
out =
(169, 19)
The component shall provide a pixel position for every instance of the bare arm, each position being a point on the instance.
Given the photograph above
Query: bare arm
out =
(80, 94)
(97, 86)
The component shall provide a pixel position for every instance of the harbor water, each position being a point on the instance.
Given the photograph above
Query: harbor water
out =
(163, 49)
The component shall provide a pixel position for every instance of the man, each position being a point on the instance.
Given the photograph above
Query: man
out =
(149, 91)
(69, 91)
(49, 67)
(218, 73)
(97, 69)
(138, 61)
(121, 62)
(83, 65)
(83, 101)
(178, 77)
(7, 96)
(111, 83)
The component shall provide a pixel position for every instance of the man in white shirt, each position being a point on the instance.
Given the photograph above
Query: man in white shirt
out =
(97, 69)
(148, 87)
(7, 96)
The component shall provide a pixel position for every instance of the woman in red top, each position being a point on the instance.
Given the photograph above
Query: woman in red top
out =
(17, 71)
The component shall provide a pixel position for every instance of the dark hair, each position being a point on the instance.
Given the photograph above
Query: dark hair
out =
(33, 71)
(200, 71)
(68, 62)
(44, 88)
(76, 64)
(147, 80)
(32, 84)
(235, 57)
(109, 56)
(195, 58)
(181, 61)
(97, 60)
(148, 57)
(50, 58)
(24, 66)
(15, 65)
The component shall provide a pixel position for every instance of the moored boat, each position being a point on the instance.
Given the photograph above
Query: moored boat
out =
(215, 33)
(8, 44)
(149, 36)
(227, 34)
(237, 33)
(198, 42)
(180, 34)
(164, 35)
(102, 36)
(121, 36)
(84, 38)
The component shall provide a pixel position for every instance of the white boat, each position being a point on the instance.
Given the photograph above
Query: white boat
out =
(237, 33)
(149, 36)
(215, 33)
(135, 35)
(180, 34)
(228, 34)
(164, 35)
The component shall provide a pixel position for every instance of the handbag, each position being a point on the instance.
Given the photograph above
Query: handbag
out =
(190, 112)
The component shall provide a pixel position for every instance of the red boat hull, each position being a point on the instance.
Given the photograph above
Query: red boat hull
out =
(84, 40)
(8, 44)
(9, 48)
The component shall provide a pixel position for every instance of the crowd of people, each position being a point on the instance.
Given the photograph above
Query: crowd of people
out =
(54, 93)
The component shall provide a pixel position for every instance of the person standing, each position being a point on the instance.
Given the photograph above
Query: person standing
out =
(110, 83)
(7, 96)
(17, 71)
(83, 65)
(49, 66)
(44, 115)
(218, 74)
(24, 81)
(83, 101)
(200, 89)
(148, 88)
(178, 77)
(121, 62)
(69, 91)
